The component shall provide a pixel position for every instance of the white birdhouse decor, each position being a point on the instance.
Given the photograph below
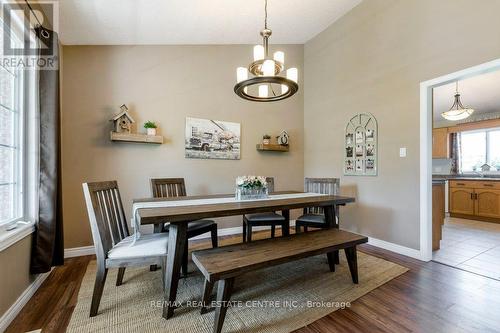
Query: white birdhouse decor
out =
(283, 138)
(123, 121)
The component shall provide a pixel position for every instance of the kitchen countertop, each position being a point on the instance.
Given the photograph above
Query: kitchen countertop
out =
(459, 177)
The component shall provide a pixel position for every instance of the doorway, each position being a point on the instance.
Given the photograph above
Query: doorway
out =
(459, 158)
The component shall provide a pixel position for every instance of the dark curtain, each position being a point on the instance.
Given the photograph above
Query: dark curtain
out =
(48, 247)
(455, 152)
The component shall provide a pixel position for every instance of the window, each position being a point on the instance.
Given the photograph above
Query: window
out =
(11, 141)
(478, 148)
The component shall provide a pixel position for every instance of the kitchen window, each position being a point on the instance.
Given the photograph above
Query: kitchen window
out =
(12, 140)
(479, 148)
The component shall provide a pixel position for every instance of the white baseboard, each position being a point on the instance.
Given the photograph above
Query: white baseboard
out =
(14, 310)
(79, 251)
(406, 251)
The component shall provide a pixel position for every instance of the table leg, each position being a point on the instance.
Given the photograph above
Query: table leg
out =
(330, 219)
(176, 244)
(329, 216)
(286, 224)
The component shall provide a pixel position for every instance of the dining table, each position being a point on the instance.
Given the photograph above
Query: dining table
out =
(179, 211)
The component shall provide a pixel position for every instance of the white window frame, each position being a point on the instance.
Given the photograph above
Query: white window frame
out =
(18, 144)
(487, 132)
(26, 141)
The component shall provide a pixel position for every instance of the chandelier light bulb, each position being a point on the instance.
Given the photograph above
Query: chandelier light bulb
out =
(241, 74)
(279, 56)
(263, 91)
(268, 67)
(258, 52)
(292, 74)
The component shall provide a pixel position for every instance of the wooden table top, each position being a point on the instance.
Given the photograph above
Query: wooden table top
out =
(195, 212)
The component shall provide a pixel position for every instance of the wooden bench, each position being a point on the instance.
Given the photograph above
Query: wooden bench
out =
(223, 264)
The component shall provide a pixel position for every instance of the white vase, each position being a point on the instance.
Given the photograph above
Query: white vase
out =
(266, 141)
(151, 131)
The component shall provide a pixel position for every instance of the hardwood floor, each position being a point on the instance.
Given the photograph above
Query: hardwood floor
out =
(431, 297)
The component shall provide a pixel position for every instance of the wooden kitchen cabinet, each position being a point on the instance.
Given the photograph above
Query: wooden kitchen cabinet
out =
(461, 200)
(475, 199)
(487, 203)
(440, 143)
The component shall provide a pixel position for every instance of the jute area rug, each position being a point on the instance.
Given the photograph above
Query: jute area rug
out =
(278, 299)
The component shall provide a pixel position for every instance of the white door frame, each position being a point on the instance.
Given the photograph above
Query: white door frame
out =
(426, 147)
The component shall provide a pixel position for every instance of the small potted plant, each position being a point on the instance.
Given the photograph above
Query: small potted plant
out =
(151, 127)
(266, 139)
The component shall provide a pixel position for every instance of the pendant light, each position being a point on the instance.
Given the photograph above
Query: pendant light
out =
(457, 110)
(266, 84)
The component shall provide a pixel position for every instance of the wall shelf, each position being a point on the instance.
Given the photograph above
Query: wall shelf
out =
(272, 147)
(137, 138)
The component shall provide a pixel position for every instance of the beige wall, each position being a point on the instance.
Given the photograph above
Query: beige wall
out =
(15, 277)
(372, 60)
(165, 84)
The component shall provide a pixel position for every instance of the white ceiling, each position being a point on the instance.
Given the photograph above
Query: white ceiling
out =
(116, 22)
(481, 92)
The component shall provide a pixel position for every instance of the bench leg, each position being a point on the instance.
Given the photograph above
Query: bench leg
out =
(207, 292)
(331, 261)
(352, 261)
(337, 257)
(273, 230)
(223, 296)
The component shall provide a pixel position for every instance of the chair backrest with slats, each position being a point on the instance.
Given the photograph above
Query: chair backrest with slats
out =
(323, 186)
(270, 184)
(106, 215)
(168, 187)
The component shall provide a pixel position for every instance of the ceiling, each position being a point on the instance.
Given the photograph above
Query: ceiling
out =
(125, 22)
(481, 92)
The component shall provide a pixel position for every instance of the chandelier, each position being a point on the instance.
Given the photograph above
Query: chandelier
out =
(266, 84)
(457, 110)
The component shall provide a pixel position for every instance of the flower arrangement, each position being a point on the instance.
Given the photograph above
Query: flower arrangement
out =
(251, 182)
(266, 139)
(251, 187)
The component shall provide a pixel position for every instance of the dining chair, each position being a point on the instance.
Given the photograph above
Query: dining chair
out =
(175, 187)
(262, 219)
(314, 217)
(112, 240)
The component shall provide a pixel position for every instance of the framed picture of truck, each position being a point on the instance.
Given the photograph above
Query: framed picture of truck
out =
(212, 139)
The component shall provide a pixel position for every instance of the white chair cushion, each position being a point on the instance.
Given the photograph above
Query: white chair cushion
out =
(153, 245)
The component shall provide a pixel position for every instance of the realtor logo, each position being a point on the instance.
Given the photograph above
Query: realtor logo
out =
(29, 35)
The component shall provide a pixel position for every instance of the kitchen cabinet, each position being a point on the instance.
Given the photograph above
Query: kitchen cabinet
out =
(462, 200)
(440, 143)
(487, 203)
(475, 199)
